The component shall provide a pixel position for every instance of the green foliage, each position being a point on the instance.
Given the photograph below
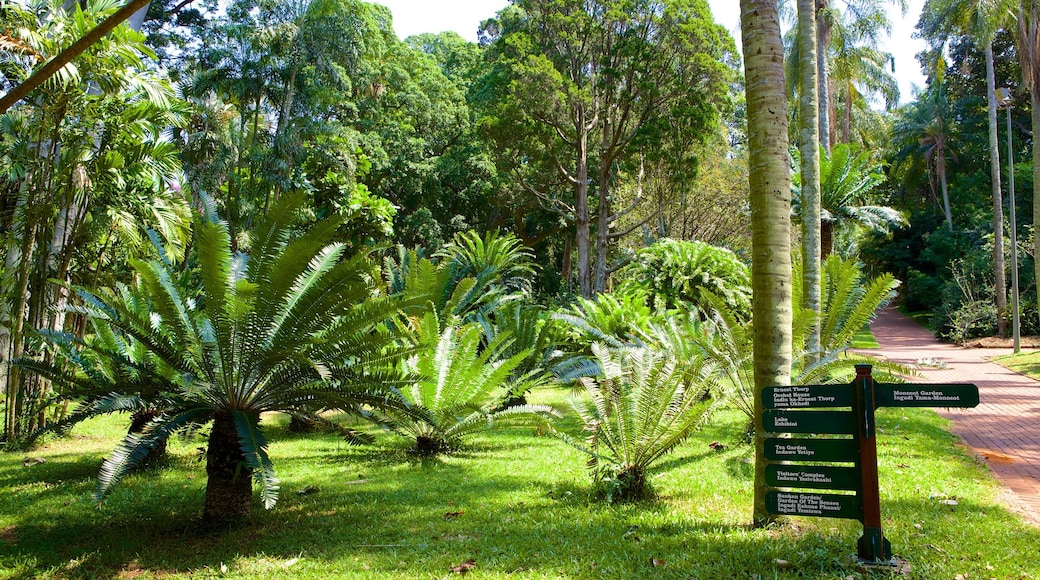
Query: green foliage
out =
(848, 304)
(463, 383)
(496, 256)
(617, 318)
(642, 406)
(295, 327)
(673, 272)
(534, 332)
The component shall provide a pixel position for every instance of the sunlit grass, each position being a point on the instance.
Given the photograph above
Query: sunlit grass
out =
(1027, 363)
(516, 504)
(864, 339)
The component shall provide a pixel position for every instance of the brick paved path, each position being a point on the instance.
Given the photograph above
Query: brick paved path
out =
(1004, 428)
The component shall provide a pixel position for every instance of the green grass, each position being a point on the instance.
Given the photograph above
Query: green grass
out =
(517, 504)
(1027, 363)
(864, 339)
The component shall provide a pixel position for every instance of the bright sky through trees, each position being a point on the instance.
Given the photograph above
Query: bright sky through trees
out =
(464, 16)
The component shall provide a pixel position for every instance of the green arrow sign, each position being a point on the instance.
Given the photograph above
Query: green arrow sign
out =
(834, 422)
(807, 396)
(820, 505)
(813, 477)
(953, 395)
(811, 450)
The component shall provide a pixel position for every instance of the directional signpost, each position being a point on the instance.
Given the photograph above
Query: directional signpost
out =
(796, 463)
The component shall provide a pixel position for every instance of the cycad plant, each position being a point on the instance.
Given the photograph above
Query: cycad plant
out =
(296, 327)
(849, 303)
(642, 406)
(464, 379)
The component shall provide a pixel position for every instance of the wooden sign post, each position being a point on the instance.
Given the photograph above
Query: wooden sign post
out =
(792, 409)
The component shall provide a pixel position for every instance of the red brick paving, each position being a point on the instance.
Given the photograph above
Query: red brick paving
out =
(1005, 427)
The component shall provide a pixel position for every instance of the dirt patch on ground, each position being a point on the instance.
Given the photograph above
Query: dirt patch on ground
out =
(997, 342)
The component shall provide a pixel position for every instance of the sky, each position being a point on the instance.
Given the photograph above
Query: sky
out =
(464, 16)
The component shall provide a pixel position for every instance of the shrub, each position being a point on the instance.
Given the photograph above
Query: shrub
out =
(642, 406)
(673, 273)
(463, 383)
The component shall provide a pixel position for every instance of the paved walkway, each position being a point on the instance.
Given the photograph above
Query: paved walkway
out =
(1005, 427)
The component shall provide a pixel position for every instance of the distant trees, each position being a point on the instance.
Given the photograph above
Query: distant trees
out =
(578, 91)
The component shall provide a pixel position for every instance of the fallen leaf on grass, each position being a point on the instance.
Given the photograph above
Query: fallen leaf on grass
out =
(657, 562)
(30, 461)
(453, 515)
(464, 567)
(782, 564)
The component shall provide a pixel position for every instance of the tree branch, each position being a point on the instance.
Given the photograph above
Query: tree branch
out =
(66, 56)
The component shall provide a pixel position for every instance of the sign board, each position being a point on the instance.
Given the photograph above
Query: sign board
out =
(954, 395)
(811, 449)
(807, 396)
(820, 505)
(812, 476)
(796, 463)
(830, 422)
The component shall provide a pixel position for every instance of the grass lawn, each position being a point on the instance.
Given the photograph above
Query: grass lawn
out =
(1027, 363)
(864, 339)
(516, 504)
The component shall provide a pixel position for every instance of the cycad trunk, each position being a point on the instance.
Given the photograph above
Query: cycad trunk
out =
(770, 187)
(1000, 281)
(808, 137)
(229, 483)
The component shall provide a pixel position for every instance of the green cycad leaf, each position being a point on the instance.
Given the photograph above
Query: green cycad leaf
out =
(135, 447)
(254, 449)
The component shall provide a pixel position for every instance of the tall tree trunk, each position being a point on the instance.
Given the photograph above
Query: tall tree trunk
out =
(940, 169)
(581, 217)
(603, 210)
(846, 124)
(999, 277)
(808, 147)
(1034, 97)
(229, 483)
(770, 186)
(823, 40)
(1029, 58)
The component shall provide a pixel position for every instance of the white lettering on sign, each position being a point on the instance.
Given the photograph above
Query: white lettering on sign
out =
(781, 421)
(803, 476)
(795, 450)
(804, 504)
(923, 396)
(784, 397)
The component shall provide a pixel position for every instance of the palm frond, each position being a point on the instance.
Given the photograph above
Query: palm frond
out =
(135, 447)
(254, 449)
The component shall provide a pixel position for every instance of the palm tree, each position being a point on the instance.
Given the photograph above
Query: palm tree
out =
(848, 176)
(1029, 57)
(295, 327)
(808, 138)
(924, 134)
(980, 19)
(861, 20)
(770, 190)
